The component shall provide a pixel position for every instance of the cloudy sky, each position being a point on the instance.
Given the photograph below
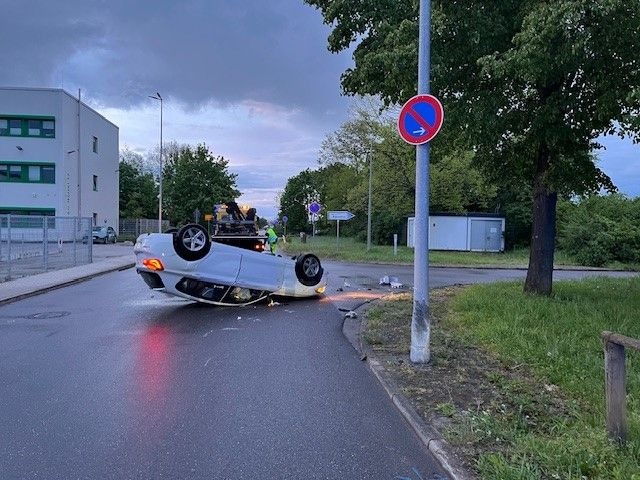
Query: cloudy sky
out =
(251, 79)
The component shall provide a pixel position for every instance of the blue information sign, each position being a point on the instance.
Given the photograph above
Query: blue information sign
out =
(314, 208)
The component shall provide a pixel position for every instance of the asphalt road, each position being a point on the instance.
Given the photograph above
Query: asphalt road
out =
(352, 284)
(106, 379)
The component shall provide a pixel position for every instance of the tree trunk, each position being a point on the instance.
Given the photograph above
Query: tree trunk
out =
(543, 232)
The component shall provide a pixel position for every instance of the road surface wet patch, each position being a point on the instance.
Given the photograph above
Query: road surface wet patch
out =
(37, 316)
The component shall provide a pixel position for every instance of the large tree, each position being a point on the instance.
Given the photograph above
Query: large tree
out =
(138, 189)
(195, 179)
(457, 184)
(529, 84)
(298, 191)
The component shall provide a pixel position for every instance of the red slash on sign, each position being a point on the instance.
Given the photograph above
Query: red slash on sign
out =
(420, 119)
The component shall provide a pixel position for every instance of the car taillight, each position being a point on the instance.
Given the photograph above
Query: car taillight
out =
(153, 264)
(259, 247)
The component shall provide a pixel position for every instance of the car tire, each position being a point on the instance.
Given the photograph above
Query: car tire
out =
(192, 242)
(308, 269)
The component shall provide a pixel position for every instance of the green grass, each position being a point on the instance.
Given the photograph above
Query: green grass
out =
(558, 339)
(351, 251)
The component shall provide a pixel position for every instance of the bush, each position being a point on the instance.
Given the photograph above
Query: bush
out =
(600, 230)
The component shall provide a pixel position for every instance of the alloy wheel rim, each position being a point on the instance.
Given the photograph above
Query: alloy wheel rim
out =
(310, 267)
(194, 239)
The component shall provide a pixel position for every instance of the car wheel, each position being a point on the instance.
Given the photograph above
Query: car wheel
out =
(192, 242)
(308, 269)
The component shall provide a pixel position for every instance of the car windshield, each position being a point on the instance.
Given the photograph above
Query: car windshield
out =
(97, 229)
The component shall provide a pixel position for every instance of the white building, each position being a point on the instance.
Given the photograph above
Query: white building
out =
(58, 157)
(473, 232)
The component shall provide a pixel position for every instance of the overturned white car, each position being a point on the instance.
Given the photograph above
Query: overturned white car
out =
(187, 264)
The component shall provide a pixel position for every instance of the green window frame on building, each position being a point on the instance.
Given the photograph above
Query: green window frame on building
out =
(27, 172)
(32, 126)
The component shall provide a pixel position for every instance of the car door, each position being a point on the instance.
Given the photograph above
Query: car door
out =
(261, 271)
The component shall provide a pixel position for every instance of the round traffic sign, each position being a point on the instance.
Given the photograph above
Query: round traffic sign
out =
(420, 119)
(315, 207)
(284, 219)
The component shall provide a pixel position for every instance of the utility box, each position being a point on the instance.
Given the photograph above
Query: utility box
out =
(462, 232)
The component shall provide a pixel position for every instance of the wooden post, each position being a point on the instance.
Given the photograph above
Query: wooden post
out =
(614, 367)
(616, 392)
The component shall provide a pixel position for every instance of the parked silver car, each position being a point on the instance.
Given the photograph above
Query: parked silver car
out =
(104, 235)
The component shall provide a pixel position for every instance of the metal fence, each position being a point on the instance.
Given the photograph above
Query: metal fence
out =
(32, 244)
(130, 228)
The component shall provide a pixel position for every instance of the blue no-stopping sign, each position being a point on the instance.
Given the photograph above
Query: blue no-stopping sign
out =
(420, 119)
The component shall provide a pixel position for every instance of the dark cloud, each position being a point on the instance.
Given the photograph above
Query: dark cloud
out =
(119, 51)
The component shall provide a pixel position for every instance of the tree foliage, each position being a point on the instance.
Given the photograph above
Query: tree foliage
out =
(299, 190)
(529, 85)
(598, 230)
(370, 138)
(138, 189)
(193, 178)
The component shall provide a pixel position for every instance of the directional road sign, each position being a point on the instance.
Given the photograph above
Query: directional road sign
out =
(420, 119)
(339, 215)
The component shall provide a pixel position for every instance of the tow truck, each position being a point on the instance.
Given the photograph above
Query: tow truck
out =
(237, 226)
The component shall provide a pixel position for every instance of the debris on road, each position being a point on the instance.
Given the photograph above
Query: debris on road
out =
(351, 314)
(272, 304)
(388, 280)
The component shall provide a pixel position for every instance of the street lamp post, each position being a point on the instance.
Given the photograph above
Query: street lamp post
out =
(157, 96)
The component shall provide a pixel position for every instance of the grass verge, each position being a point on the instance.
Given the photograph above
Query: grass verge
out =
(349, 250)
(516, 383)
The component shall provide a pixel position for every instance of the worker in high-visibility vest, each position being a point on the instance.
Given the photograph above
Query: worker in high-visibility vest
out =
(272, 238)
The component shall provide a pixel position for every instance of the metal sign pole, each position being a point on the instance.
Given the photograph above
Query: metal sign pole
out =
(338, 233)
(420, 323)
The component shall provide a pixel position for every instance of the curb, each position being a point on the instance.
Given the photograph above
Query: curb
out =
(41, 290)
(428, 435)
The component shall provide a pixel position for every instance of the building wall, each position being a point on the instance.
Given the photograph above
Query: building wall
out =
(34, 150)
(455, 233)
(63, 151)
(448, 233)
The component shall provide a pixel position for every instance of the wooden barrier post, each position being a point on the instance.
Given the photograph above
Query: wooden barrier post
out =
(615, 388)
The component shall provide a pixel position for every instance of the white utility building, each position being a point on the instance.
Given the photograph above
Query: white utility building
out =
(58, 157)
(463, 232)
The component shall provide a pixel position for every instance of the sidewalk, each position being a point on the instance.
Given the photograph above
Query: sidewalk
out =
(40, 283)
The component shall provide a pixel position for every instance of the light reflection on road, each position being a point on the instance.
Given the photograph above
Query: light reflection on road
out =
(153, 376)
(153, 364)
